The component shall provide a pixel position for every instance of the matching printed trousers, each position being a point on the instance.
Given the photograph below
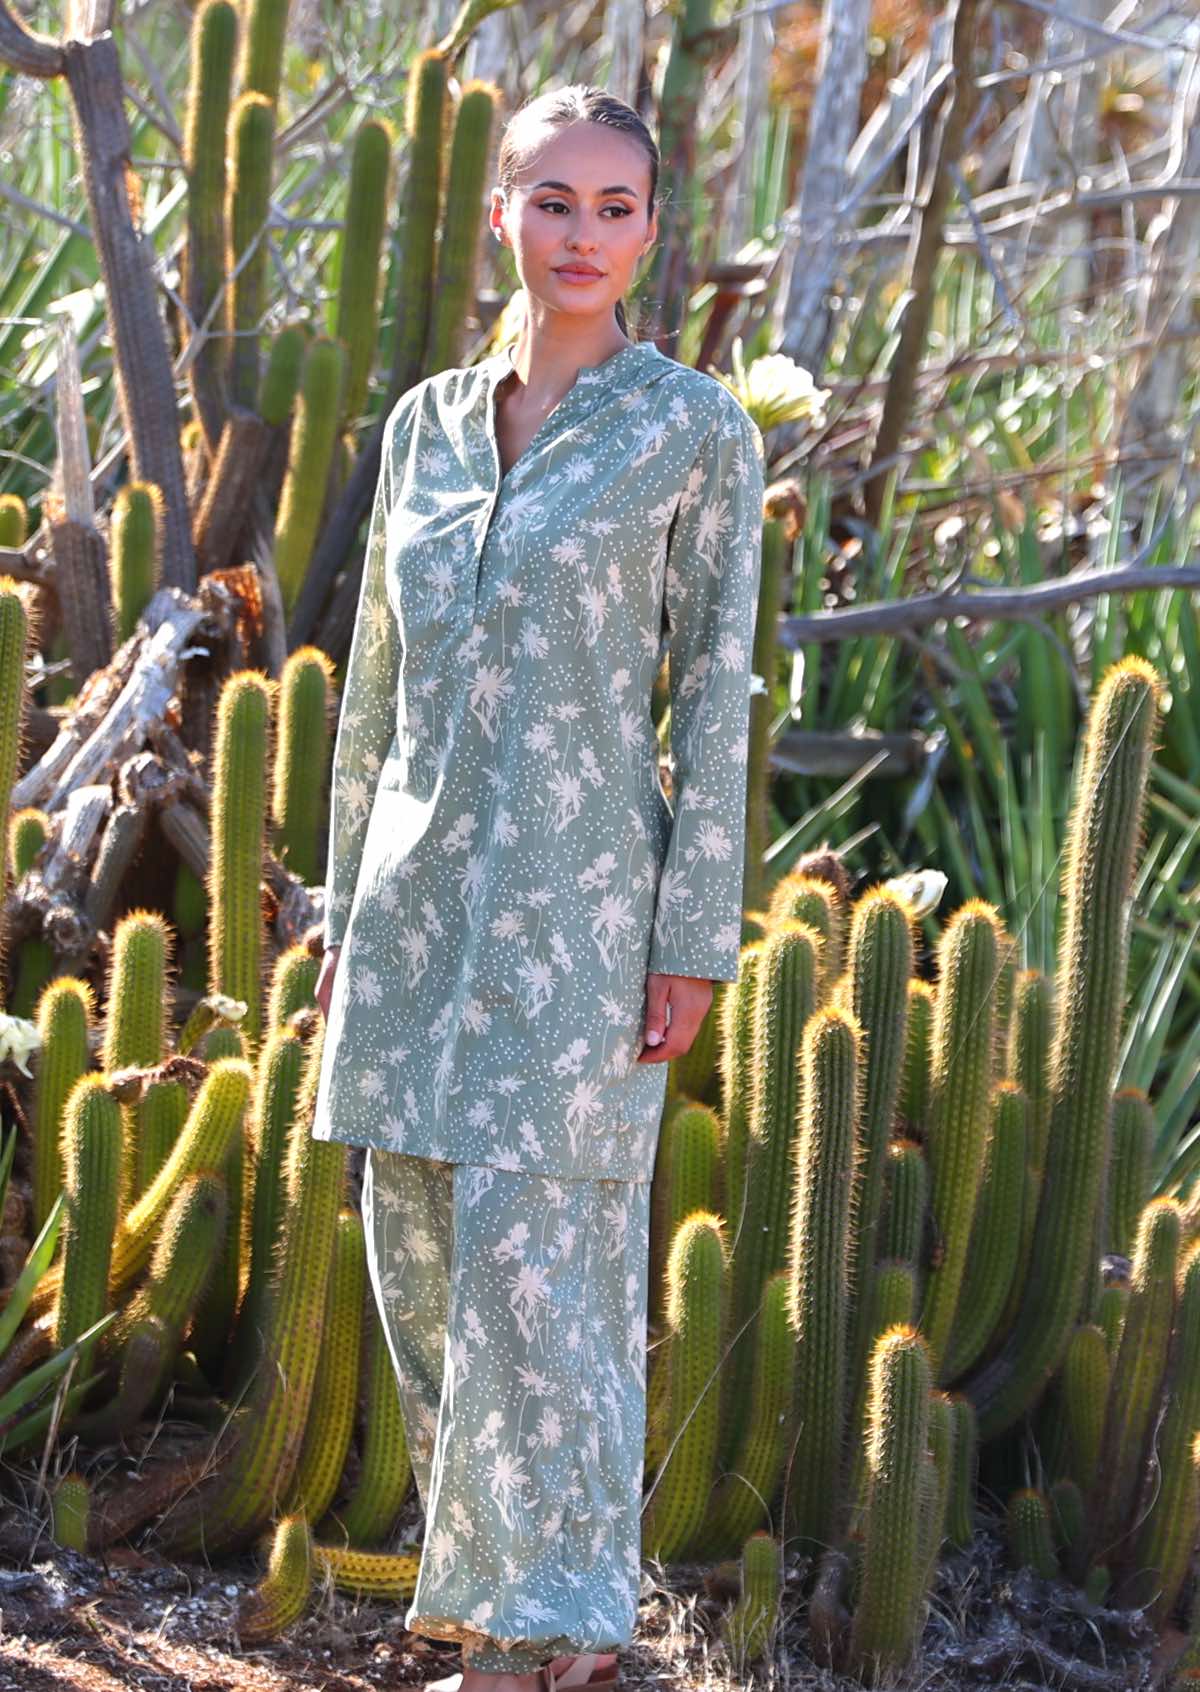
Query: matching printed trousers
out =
(514, 1307)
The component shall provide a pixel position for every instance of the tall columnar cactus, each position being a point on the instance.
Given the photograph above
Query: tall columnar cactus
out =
(310, 453)
(239, 791)
(92, 1148)
(36, 964)
(247, 207)
(1169, 1515)
(1086, 1374)
(1110, 1311)
(64, 1011)
(134, 1028)
(960, 1113)
(831, 1093)
(1137, 1380)
(736, 1069)
(744, 1493)
(996, 1236)
(893, 1303)
(260, 65)
(385, 1470)
(1030, 1538)
(1129, 1171)
(414, 254)
(356, 322)
(1029, 1054)
(454, 293)
(888, 1614)
(674, 1514)
(330, 1425)
(752, 1620)
(282, 1594)
(880, 965)
(906, 1208)
(960, 1505)
(784, 997)
(161, 1116)
(302, 747)
(1102, 840)
(137, 518)
(814, 900)
(939, 1481)
(915, 1075)
(293, 983)
(210, 82)
(16, 635)
(685, 1179)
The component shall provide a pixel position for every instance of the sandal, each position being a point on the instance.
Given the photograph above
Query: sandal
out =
(582, 1672)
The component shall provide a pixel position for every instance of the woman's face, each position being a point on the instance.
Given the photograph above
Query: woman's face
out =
(582, 198)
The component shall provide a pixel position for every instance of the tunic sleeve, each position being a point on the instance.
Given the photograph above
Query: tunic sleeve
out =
(714, 560)
(367, 720)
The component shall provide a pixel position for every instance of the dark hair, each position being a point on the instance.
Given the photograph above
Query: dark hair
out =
(555, 109)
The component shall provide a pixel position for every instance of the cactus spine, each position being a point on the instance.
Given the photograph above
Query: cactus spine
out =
(1129, 1171)
(1086, 1372)
(281, 1596)
(996, 1236)
(386, 1468)
(1030, 1539)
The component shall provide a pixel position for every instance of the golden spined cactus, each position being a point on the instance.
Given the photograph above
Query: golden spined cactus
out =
(686, 1178)
(814, 900)
(330, 1424)
(92, 1155)
(238, 812)
(135, 1023)
(17, 633)
(736, 1074)
(356, 322)
(64, 1014)
(210, 82)
(136, 563)
(385, 1466)
(282, 1595)
(960, 1506)
(995, 1245)
(1128, 1185)
(1084, 1388)
(297, 803)
(915, 1074)
(751, 1622)
(1030, 1537)
(414, 264)
(260, 63)
(36, 964)
(466, 179)
(70, 1499)
(248, 206)
(310, 454)
(368, 1574)
(293, 985)
(742, 1498)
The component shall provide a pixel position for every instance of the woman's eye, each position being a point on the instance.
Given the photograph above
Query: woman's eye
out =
(547, 205)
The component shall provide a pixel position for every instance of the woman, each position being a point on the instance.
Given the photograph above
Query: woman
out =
(532, 932)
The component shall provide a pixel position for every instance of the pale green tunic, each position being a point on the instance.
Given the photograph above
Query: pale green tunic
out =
(504, 867)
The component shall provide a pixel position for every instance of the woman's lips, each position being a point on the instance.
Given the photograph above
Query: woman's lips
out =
(570, 275)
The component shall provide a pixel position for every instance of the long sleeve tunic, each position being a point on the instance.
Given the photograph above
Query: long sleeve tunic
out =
(504, 867)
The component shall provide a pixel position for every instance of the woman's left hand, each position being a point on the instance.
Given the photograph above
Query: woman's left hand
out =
(689, 999)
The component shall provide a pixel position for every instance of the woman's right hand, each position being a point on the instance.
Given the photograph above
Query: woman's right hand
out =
(324, 986)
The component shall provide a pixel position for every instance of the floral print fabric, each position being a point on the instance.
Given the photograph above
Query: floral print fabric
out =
(504, 866)
(514, 1308)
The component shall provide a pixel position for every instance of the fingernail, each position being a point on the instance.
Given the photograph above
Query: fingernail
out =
(653, 1038)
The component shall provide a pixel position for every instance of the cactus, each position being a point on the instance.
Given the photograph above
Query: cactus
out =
(137, 518)
(64, 1012)
(1137, 1379)
(752, 1620)
(356, 323)
(135, 1026)
(960, 1505)
(185, 1252)
(887, 1616)
(960, 1089)
(92, 1146)
(736, 1070)
(831, 1090)
(1086, 1372)
(69, 1502)
(686, 1175)
(913, 1104)
(238, 839)
(454, 290)
(1110, 1312)
(213, 41)
(296, 801)
(1169, 1515)
(674, 1512)
(996, 1235)
(1068, 1516)
(1102, 839)
(744, 1494)
(880, 964)
(1030, 1539)
(248, 204)
(1129, 1171)
(906, 1211)
(813, 900)
(310, 454)
(368, 1574)
(281, 1595)
(893, 1303)
(385, 1470)
(939, 1481)
(293, 985)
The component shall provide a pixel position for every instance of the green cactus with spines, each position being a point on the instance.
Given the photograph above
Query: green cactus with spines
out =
(783, 996)
(36, 965)
(135, 1023)
(409, 295)
(745, 1491)
(880, 965)
(330, 1425)
(915, 1072)
(161, 1116)
(293, 985)
(18, 635)
(893, 1304)
(1068, 1514)
(238, 811)
(247, 208)
(92, 1182)
(385, 1471)
(143, 1362)
(996, 1235)
(1030, 1537)
(960, 1505)
(135, 566)
(70, 1501)
(182, 1262)
(693, 1074)
(1136, 1383)
(1102, 841)
(1009, 950)
(906, 1206)
(814, 900)
(939, 1480)
(466, 179)
(14, 521)
(886, 1624)
(260, 62)
(356, 315)
(213, 1125)
(686, 1178)
(278, 1077)
(64, 1013)
(210, 86)
(736, 1069)
(282, 373)
(696, 1273)
(369, 1574)
(1129, 1183)
(1084, 1388)
(750, 1623)
(1169, 1511)
(1110, 1312)
(303, 742)
(960, 1104)
(1029, 1039)
(266, 1444)
(281, 1596)
(310, 453)
(826, 1162)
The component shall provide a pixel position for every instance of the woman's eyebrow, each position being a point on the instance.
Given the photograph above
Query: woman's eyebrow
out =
(617, 188)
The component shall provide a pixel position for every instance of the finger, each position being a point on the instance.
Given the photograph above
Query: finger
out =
(654, 1027)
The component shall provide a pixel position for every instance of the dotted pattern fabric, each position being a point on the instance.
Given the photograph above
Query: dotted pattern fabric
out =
(514, 1308)
(504, 867)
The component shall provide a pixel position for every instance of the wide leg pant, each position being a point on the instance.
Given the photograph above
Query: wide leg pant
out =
(514, 1306)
